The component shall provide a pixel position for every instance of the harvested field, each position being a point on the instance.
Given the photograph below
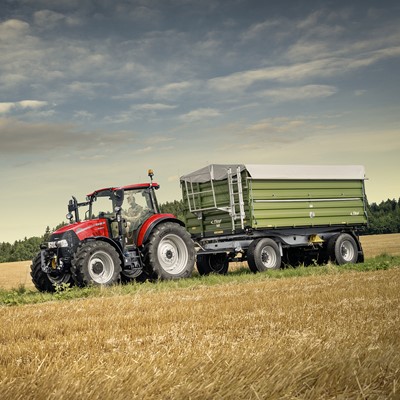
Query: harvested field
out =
(319, 337)
(15, 274)
(375, 245)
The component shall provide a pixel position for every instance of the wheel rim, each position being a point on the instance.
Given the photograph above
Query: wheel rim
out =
(172, 254)
(268, 257)
(101, 267)
(347, 251)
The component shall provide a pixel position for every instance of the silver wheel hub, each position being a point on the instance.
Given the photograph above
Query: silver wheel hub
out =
(172, 254)
(101, 267)
(268, 257)
(347, 250)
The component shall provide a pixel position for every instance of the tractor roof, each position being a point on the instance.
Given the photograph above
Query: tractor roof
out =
(135, 186)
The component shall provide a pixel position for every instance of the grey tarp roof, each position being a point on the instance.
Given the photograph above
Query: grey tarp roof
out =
(264, 171)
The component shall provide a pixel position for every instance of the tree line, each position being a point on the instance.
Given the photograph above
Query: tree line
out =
(383, 218)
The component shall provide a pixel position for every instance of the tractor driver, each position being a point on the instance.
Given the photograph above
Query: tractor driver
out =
(132, 214)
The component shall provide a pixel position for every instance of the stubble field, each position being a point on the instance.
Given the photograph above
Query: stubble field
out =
(334, 336)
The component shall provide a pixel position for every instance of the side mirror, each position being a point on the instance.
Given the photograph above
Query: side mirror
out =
(73, 208)
(119, 197)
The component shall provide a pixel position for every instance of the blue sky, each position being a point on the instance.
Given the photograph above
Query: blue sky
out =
(93, 93)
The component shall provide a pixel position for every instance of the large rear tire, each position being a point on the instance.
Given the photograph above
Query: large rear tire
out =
(48, 282)
(96, 263)
(263, 254)
(169, 252)
(217, 263)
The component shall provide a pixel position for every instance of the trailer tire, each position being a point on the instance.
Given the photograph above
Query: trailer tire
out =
(217, 263)
(169, 252)
(96, 263)
(342, 249)
(263, 254)
(45, 282)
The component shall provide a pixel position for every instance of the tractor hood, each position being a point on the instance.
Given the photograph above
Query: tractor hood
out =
(83, 229)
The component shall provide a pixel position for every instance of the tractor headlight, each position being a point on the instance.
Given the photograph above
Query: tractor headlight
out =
(62, 243)
(57, 244)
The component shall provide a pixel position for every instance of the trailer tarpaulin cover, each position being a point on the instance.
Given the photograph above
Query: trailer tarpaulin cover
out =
(278, 172)
(216, 172)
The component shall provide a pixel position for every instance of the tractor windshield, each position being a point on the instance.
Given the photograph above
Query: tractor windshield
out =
(102, 205)
(138, 206)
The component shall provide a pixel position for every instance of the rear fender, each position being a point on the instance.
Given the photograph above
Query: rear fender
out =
(151, 223)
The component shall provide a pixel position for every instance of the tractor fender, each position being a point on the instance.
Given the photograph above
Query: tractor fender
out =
(151, 223)
(107, 240)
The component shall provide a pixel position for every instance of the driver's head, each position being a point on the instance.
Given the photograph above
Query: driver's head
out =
(131, 200)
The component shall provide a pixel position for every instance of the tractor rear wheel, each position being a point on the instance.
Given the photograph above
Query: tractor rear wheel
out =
(217, 263)
(48, 282)
(96, 263)
(169, 252)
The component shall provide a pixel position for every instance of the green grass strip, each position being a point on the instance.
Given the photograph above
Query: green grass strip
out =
(22, 296)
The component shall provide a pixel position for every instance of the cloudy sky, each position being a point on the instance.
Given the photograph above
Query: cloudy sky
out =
(93, 93)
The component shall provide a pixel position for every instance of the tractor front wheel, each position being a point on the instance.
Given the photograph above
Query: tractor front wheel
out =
(169, 252)
(48, 282)
(96, 263)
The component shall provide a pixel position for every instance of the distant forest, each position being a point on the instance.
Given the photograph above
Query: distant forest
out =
(383, 218)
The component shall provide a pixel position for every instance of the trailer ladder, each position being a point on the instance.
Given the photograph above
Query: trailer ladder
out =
(236, 196)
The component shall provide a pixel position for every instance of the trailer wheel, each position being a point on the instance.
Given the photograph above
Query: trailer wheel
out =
(169, 252)
(342, 249)
(263, 254)
(217, 263)
(96, 263)
(47, 282)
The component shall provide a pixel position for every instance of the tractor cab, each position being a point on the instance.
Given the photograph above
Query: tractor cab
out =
(124, 208)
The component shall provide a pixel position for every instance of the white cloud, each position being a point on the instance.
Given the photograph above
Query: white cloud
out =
(85, 115)
(326, 67)
(13, 29)
(88, 89)
(306, 92)
(47, 19)
(200, 114)
(153, 107)
(7, 107)
(167, 91)
(275, 125)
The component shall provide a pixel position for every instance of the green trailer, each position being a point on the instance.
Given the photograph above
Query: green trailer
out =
(271, 215)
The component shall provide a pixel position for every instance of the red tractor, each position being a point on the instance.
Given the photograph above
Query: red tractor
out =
(122, 237)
